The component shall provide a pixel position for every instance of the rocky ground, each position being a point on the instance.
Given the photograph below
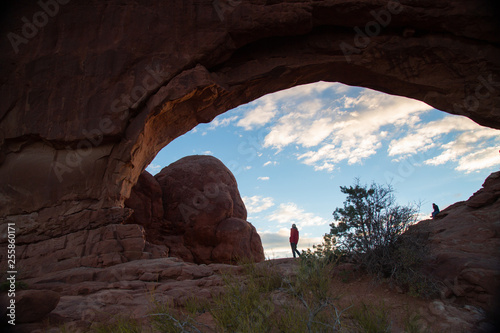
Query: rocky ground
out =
(131, 290)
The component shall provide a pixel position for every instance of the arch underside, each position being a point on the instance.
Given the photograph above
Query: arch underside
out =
(84, 111)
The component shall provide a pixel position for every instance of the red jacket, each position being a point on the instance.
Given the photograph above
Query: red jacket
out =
(294, 235)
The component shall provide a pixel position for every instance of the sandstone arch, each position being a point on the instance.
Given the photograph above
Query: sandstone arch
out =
(92, 92)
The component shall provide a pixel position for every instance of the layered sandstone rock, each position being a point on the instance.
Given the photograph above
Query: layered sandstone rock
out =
(101, 247)
(94, 295)
(204, 218)
(464, 242)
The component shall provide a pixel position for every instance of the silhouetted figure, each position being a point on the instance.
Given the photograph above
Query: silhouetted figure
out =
(294, 240)
(436, 210)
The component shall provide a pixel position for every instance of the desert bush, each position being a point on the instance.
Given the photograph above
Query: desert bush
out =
(370, 219)
(413, 322)
(248, 303)
(245, 305)
(314, 309)
(371, 318)
(405, 265)
(264, 276)
(370, 230)
(325, 251)
(165, 319)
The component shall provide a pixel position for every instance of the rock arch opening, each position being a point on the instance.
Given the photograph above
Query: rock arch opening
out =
(291, 150)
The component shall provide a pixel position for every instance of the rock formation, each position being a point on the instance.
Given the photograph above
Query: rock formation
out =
(91, 92)
(204, 218)
(464, 242)
(94, 295)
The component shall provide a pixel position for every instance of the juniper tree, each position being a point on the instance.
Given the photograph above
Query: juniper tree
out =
(370, 219)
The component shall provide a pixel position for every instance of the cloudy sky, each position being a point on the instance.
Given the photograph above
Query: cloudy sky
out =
(291, 151)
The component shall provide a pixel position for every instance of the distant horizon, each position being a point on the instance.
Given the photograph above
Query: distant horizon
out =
(291, 150)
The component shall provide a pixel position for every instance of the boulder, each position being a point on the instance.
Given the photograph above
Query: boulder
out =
(202, 204)
(237, 239)
(34, 305)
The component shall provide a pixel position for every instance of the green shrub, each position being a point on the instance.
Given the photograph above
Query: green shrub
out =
(248, 303)
(405, 265)
(165, 319)
(263, 276)
(370, 230)
(313, 309)
(370, 218)
(371, 318)
(326, 251)
(244, 306)
(412, 323)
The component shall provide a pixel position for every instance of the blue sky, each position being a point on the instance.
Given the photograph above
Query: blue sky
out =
(291, 151)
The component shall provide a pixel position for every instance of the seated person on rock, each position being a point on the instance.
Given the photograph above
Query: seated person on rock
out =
(436, 210)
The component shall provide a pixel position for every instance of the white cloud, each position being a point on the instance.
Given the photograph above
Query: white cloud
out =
(482, 159)
(299, 128)
(270, 163)
(424, 136)
(473, 149)
(257, 204)
(350, 131)
(328, 128)
(222, 122)
(263, 178)
(265, 109)
(153, 168)
(207, 152)
(290, 213)
(258, 116)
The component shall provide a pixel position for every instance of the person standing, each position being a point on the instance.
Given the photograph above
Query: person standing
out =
(294, 240)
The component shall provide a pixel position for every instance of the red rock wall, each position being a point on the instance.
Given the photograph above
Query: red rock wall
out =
(464, 243)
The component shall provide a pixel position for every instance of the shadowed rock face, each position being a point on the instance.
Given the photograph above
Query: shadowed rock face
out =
(464, 242)
(91, 92)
